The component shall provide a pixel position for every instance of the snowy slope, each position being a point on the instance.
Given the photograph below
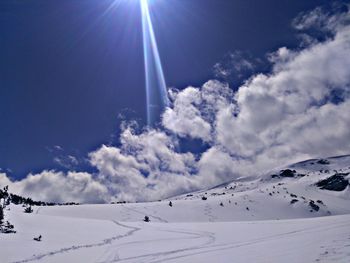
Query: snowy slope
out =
(280, 216)
(265, 197)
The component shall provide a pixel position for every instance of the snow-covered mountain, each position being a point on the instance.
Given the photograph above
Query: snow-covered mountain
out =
(298, 213)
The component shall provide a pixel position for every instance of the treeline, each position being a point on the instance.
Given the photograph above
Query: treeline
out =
(10, 198)
(7, 198)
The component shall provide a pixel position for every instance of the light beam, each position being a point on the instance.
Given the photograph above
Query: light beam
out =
(156, 91)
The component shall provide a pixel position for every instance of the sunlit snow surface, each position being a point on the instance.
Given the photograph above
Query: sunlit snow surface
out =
(255, 223)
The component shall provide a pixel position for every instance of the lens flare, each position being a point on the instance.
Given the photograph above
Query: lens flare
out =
(156, 91)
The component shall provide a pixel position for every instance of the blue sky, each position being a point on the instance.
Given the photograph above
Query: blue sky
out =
(70, 72)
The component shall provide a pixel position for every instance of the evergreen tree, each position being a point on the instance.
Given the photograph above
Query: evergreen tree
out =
(1, 215)
(5, 227)
(28, 209)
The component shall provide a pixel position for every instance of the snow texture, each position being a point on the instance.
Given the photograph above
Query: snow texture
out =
(247, 220)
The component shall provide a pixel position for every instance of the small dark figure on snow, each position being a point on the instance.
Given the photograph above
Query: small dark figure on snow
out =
(221, 204)
(170, 204)
(37, 238)
(146, 219)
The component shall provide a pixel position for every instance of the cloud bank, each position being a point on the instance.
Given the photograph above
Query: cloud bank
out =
(299, 110)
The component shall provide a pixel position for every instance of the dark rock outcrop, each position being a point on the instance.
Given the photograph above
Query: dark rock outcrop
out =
(336, 182)
(314, 206)
(294, 201)
(288, 173)
(323, 161)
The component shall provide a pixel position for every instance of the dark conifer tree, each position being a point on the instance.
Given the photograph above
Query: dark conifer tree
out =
(28, 209)
(1, 215)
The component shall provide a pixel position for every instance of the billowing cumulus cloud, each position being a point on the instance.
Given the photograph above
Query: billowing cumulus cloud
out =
(299, 110)
(59, 187)
(145, 167)
(194, 110)
(185, 118)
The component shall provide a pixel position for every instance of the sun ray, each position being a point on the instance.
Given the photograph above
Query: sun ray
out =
(156, 91)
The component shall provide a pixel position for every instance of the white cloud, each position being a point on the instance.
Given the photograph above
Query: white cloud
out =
(66, 161)
(331, 20)
(185, 118)
(289, 112)
(145, 167)
(235, 65)
(194, 110)
(216, 167)
(59, 187)
(321, 23)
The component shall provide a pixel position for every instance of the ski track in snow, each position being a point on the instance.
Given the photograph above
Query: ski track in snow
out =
(331, 253)
(208, 236)
(213, 248)
(208, 246)
(105, 242)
